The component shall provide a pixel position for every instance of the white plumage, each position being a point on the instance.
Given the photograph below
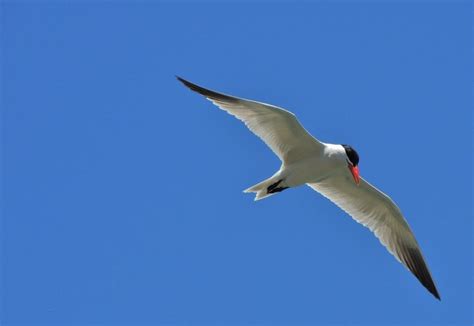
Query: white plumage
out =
(324, 168)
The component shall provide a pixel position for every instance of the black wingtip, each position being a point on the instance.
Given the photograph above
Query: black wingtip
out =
(184, 81)
(415, 262)
(207, 92)
(434, 291)
(191, 86)
(187, 83)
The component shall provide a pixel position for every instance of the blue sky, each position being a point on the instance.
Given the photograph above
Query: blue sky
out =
(122, 190)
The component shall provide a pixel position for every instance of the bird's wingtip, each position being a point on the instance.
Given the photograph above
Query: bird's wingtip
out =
(434, 291)
(191, 86)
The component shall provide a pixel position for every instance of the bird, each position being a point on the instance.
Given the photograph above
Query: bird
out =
(330, 169)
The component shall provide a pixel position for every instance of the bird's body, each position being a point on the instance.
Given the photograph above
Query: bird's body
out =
(320, 165)
(330, 169)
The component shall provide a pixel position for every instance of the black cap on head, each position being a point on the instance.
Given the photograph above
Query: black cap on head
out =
(351, 154)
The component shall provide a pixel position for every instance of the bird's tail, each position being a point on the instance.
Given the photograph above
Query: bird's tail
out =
(266, 188)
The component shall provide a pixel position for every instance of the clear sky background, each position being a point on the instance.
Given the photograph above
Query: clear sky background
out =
(122, 190)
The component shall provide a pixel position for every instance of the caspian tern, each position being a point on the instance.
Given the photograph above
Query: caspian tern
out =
(330, 169)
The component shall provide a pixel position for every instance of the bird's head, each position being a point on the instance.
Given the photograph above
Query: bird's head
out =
(352, 162)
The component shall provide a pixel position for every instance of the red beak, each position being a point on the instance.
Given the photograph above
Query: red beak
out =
(355, 173)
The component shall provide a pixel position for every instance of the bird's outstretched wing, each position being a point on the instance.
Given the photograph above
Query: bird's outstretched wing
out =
(278, 128)
(375, 210)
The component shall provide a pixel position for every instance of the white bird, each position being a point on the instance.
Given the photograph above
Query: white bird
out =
(332, 170)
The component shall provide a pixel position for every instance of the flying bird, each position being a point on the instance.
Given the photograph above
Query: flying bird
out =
(330, 169)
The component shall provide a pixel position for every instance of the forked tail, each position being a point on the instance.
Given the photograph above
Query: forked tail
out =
(267, 188)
